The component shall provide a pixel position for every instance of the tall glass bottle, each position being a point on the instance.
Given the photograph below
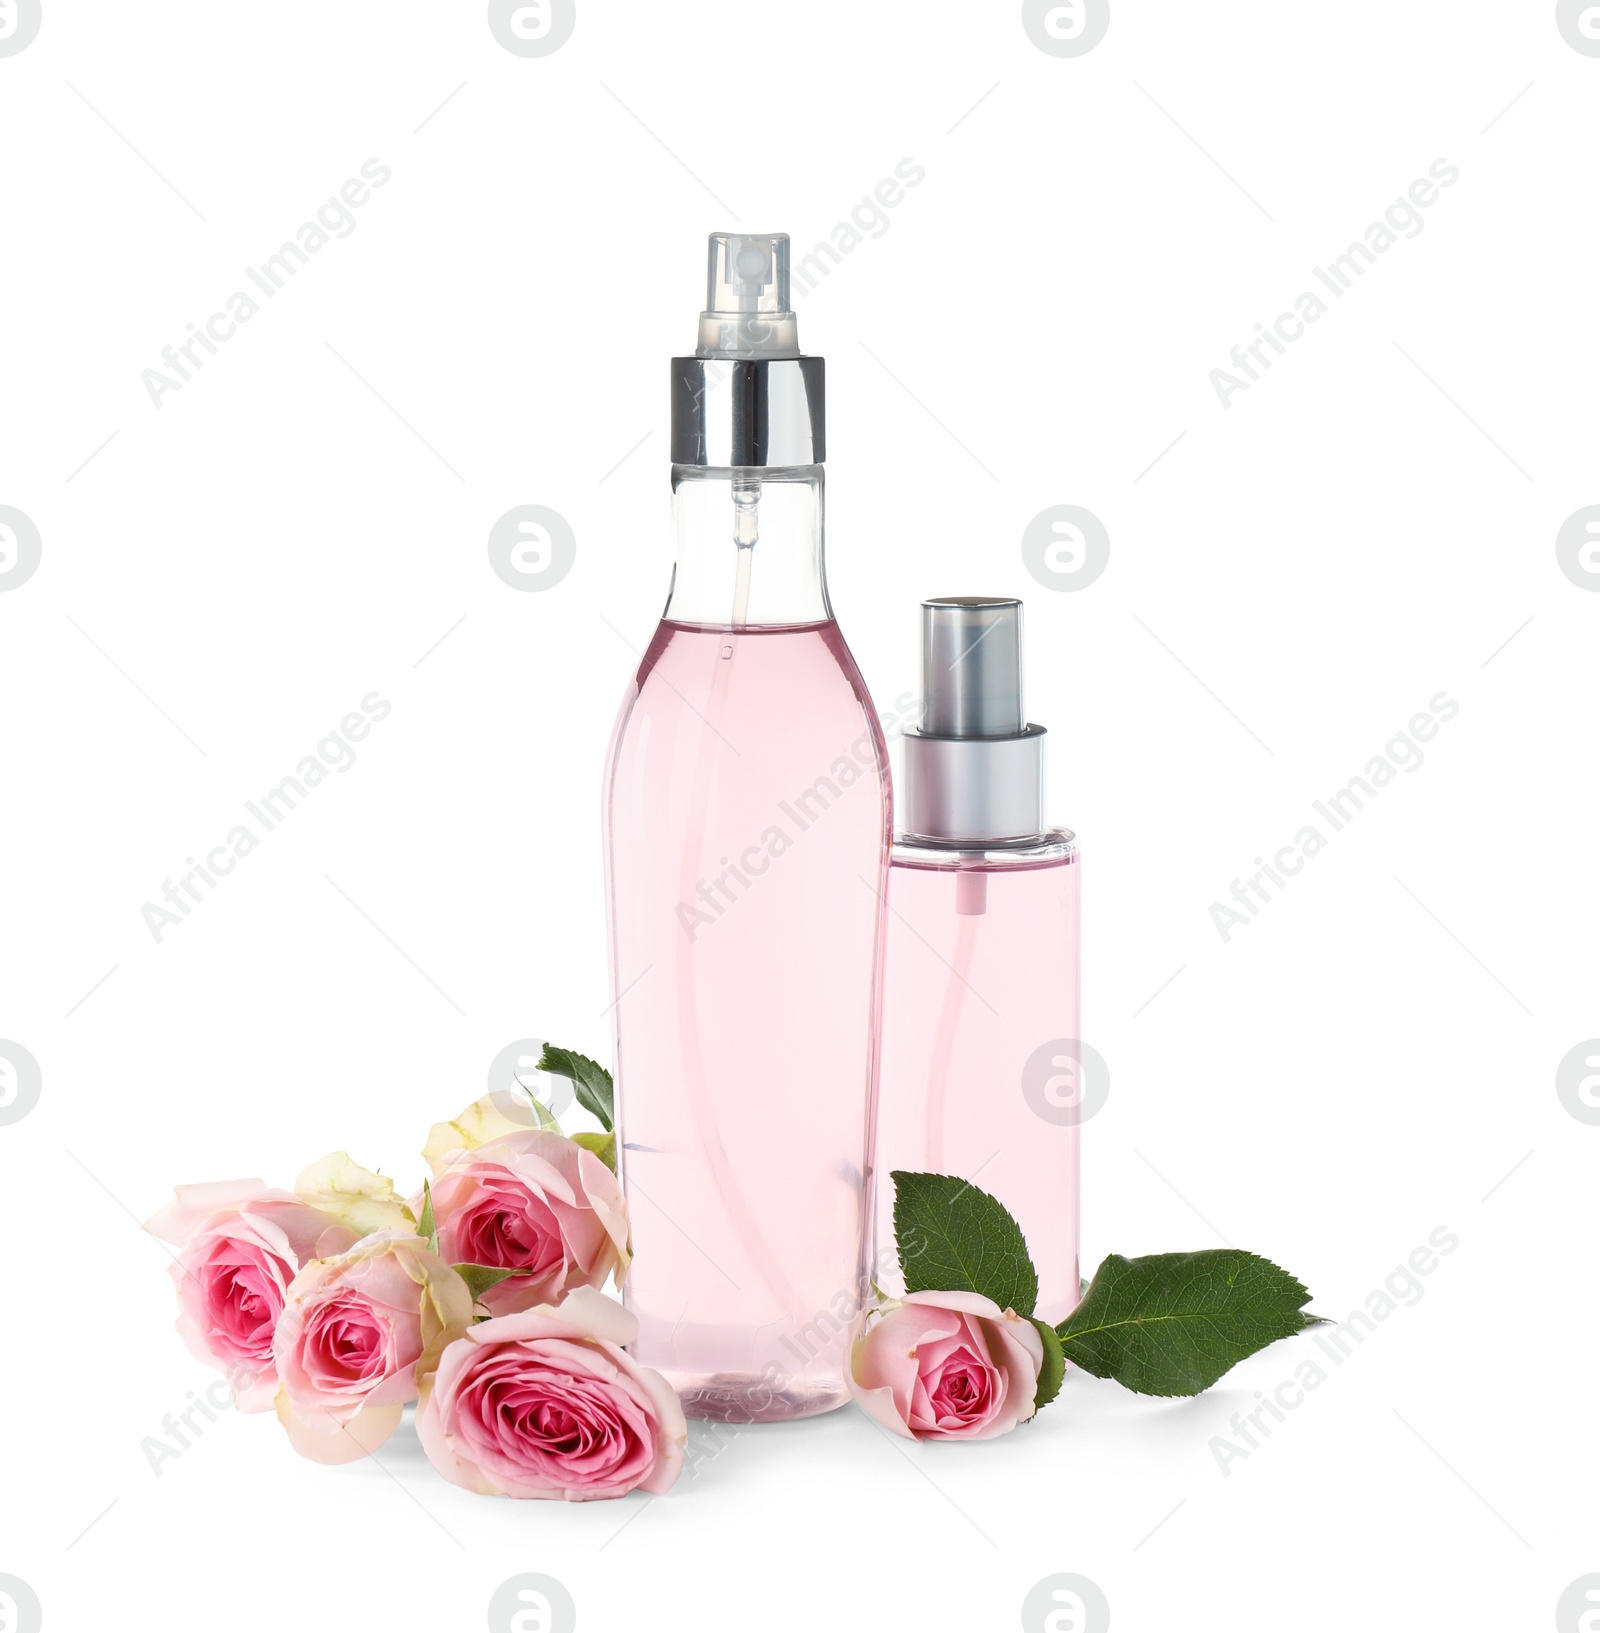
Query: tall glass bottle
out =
(981, 1072)
(747, 814)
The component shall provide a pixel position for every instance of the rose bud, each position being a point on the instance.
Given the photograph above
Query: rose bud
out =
(945, 1366)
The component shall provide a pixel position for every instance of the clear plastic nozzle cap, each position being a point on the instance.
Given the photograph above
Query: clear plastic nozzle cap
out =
(747, 297)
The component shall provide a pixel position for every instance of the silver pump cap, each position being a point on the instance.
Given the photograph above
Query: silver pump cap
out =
(974, 771)
(747, 397)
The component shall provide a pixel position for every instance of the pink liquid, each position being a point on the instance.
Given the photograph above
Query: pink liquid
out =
(747, 832)
(981, 974)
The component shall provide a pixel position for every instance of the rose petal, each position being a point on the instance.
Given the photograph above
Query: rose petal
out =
(328, 1442)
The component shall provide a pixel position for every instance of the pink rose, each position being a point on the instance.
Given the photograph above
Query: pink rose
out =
(239, 1247)
(357, 1334)
(545, 1403)
(945, 1366)
(533, 1201)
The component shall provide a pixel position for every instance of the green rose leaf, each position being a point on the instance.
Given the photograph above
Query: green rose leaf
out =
(604, 1147)
(1173, 1323)
(952, 1238)
(590, 1081)
(481, 1277)
(1055, 1364)
(427, 1227)
(542, 1114)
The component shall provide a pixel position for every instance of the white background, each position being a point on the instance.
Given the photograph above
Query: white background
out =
(305, 522)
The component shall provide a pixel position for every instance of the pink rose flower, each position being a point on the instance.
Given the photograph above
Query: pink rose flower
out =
(945, 1366)
(358, 1333)
(534, 1201)
(240, 1245)
(545, 1403)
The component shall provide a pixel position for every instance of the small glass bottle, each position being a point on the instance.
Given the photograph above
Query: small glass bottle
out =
(980, 1073)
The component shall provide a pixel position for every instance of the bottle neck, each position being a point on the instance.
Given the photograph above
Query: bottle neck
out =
(1048, 849)
(749, 546)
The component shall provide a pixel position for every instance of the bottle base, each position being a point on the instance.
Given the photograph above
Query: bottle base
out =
(750, 1398)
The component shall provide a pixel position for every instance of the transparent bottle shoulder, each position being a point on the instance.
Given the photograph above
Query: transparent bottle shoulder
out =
(1056, 847)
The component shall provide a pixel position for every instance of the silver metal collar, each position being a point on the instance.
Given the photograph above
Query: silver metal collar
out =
(748, 411)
